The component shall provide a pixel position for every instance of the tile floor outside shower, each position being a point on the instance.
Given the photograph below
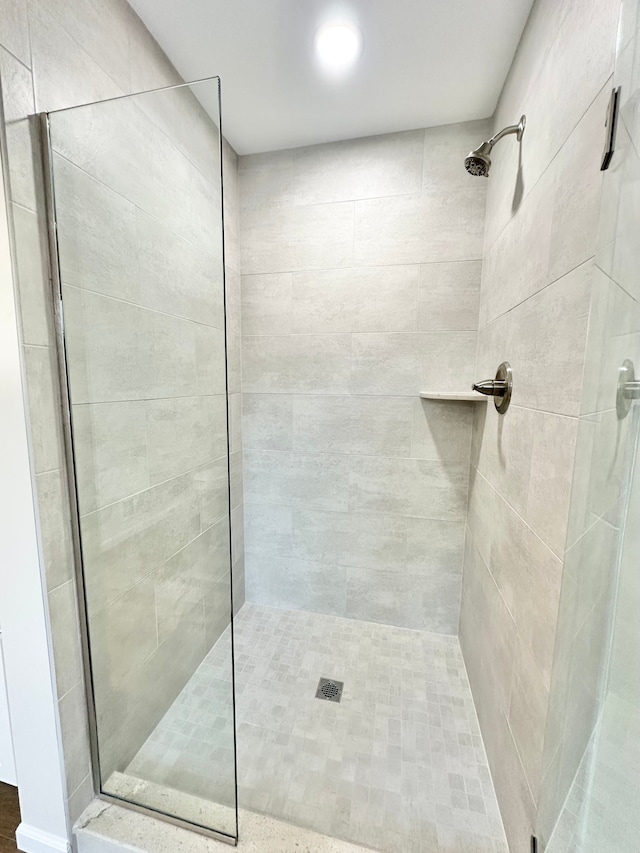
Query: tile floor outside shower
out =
(397, 765)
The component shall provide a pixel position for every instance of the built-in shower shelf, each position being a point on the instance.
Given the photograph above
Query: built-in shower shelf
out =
(454, 396)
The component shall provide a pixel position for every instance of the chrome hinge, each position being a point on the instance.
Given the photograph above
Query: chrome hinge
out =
(612, 126)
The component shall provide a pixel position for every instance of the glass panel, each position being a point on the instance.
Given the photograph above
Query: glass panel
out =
(591, 781)
(138, 209)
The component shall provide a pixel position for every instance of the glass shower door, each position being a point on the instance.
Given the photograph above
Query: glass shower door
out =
(137, 212)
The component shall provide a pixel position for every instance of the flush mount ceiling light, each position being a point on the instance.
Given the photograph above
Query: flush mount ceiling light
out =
(338, 45)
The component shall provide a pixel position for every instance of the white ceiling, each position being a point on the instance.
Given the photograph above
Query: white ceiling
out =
(424, 63)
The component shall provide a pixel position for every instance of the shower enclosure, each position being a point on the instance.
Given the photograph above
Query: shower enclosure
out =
(145, 335)
(391, 520)
(137, 231)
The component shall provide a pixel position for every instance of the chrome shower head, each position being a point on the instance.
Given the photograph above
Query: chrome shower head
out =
(478, 161)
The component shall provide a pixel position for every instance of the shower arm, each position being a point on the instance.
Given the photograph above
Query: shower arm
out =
(513, 128)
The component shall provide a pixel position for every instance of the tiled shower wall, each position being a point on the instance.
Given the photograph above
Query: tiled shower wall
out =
(361, 264)
(594, 690)
(54, 54)
(538, 276)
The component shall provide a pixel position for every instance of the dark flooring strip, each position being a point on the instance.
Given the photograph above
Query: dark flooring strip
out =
(9, 818)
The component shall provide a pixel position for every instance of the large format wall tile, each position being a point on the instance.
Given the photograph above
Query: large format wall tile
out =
(516, 265)
(14, 29)
(41, 370)
(436, 225)
(176, 276)
(547, 350)
(211, 483)
(32, 264)
(350, 539)
(449, 296)
(340, 171)
(17, 93)
(309, 479)
(434, 547)
(502, 452)
(267, 304)
(296, 585)
(191, 575)
(403, 363)
(170, 188)
(74, 733)
(578, 188)
(552, 458)
(488, 631)
(543, 338)
(55, 538)
(363, 168)
(284, 364)
(269, 529)
(380, 596)
(539, 311)
(413, 487)
(267, 421)
(283, 239)
(103, 35)
(65, 74)
(369, 426)
(369, 299)
(342, 328)
(110, 442)
(66, 643)
(184, 433)
(440, 430)
(382, 299)
(119, 351)
(124, 541)
(96, 235)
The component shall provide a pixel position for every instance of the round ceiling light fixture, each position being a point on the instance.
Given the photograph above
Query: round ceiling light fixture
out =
(338, 45)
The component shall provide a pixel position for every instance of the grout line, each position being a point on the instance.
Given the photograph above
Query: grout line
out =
(564, 275)
(134, 204)
(142, 400)
(352, 332)
(363, 267)
(122, 301)
(201, 467)
(517, 513)
(606, 84)
(611, 280)
(7, 50)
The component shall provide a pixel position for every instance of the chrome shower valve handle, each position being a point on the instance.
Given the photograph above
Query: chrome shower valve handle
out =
(491, 387)
(499, 388)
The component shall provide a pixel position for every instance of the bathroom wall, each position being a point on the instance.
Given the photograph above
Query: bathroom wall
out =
(53, 55)
(361, 265)
(591, 680)
(538, 279)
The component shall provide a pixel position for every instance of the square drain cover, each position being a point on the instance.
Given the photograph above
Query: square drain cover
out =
(329, 689)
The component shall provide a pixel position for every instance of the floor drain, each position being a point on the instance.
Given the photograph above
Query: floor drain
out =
(329, 689)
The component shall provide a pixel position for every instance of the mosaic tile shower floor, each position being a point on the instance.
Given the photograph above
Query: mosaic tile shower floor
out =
(397, 766)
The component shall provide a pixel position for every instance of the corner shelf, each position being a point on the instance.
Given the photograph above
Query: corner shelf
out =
(454, 397)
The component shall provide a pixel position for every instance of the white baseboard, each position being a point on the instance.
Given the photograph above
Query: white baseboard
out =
(33, 840)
